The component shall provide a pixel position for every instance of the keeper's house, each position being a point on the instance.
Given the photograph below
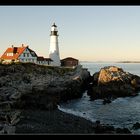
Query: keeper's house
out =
(23, 54)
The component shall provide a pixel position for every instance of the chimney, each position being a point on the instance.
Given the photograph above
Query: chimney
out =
(15, 50)
(22, 45)
(12, 46)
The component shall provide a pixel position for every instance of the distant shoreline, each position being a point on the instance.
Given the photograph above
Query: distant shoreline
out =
(128, 62)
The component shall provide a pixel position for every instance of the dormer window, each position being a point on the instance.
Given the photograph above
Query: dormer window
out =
(9, 54)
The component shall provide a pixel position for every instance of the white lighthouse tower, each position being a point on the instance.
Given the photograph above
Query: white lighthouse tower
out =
(54, 49)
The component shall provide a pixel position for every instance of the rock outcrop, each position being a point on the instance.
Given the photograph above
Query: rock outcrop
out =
(112, 81)
(35, 85)
(31, 86)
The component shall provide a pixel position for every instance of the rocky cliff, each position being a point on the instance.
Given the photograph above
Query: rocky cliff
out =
(31, 86)
(113, 81)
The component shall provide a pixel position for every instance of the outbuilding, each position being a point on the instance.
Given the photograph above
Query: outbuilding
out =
(69, 62)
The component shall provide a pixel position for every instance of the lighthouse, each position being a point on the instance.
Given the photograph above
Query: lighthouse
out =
(54, 48)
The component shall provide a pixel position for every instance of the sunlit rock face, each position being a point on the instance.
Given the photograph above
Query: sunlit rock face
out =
(112, 74)
(113, 81)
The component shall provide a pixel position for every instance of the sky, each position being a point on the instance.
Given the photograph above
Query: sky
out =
(88, 33)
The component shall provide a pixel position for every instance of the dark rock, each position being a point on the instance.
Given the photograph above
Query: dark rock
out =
(97, 122)
(136, 125)
(103, 129)
(9, 129)
(54, 122)
(109, 128)
(33, 86)
(8, 119)
(106, 101)
(123, 131)
(1, 127)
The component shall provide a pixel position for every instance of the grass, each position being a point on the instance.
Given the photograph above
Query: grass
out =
(41, 69)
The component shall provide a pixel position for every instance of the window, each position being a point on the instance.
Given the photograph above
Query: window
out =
(27, 54)
(9, 54)
(23, 54)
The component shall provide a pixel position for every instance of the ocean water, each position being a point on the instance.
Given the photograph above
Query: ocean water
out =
(133, 68)
(122, 112)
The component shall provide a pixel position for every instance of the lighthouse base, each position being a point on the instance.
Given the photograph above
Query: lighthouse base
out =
(56, 59)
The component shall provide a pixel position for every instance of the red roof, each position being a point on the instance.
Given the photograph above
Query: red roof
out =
(17, 51)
